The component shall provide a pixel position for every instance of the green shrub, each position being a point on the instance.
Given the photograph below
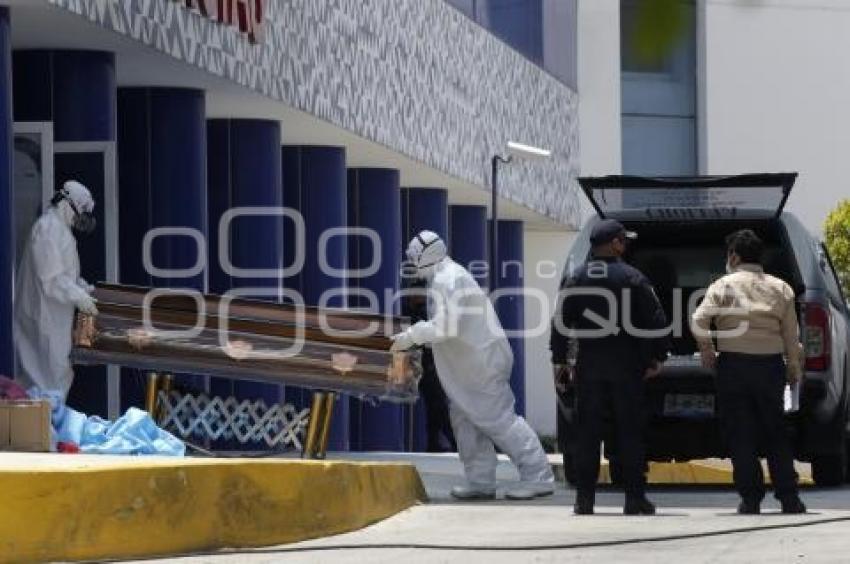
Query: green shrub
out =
(837, 238)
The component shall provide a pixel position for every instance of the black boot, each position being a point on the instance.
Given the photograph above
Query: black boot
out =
(584, 504)
(793, 504)
(749, 507)
(638, 505)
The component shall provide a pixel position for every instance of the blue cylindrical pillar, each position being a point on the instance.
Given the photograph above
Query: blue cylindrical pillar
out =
(468, 235)
(7, 239)
(510, 305)
(162, 180)
(422, 208)
(374, 203)
(76, 91)
(315, 185)
(244, 170)
(73, 89)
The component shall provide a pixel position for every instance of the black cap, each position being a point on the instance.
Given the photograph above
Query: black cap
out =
(607, 230)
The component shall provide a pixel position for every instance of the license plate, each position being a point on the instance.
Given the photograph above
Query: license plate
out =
(692, 406)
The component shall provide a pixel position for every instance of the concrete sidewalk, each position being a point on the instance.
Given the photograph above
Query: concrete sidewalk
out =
(545, 530)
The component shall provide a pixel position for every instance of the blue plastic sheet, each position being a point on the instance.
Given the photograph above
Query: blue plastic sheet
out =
(135, 432)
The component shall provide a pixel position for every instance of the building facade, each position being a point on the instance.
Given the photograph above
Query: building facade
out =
(746, 87)
(378, 114)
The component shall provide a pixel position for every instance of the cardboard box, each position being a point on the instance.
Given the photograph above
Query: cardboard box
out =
(25, 425)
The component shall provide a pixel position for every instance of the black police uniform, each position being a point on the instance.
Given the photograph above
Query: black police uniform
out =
(610, 369)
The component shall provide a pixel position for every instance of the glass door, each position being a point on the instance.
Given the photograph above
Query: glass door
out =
(32, 180)
(32, 177)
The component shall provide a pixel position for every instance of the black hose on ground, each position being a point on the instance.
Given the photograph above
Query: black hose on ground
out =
(519, 548)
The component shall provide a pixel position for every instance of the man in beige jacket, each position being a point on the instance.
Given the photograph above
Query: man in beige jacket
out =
(755, 326)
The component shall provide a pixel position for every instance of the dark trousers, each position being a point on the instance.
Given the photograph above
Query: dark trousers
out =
(750, 392)
(603, 385)
(437, 423)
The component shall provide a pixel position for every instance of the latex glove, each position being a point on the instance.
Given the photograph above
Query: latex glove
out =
(87, 305)
(85, 285)
(402, 342)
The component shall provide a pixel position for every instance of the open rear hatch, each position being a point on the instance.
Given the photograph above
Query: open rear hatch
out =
(689, 198)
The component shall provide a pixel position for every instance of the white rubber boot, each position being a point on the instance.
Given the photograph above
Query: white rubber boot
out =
(470, 493)
(529, 490)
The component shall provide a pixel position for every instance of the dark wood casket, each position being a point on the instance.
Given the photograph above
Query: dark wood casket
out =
(170, 331)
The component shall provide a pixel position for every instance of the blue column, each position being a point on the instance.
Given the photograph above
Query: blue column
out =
(511, 307)
(7, 241)
(162, 182)
(422, 208)
(76, 91)
(73, 89)
(374, 202)
(244, 169)
(315, 184)
(468, 236)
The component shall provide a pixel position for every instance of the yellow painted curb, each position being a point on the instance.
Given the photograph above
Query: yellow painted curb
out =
(142, 509)
(694, 472)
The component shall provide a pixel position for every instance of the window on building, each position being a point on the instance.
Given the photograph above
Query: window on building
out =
(465, 6)
(631, 59)
(519, 23)
(544, 31)
(28, 187)
(658, 91)
(560, 39)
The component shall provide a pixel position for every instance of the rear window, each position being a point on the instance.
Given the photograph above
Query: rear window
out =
(636, 198)
(695, 203)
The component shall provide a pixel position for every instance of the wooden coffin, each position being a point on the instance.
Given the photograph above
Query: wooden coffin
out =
(329, 349)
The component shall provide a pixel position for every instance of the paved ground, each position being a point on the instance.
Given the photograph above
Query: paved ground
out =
(701, 522)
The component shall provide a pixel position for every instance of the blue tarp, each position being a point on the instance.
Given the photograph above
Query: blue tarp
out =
(135, 432)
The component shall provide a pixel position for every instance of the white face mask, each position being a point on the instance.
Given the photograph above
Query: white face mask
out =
(426, 272)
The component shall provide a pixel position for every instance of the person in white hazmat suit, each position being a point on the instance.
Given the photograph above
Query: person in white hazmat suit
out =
(474, 361)
(48, 289)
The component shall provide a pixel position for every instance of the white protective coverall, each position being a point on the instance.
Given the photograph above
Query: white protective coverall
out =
(48, 289)
(474, 360)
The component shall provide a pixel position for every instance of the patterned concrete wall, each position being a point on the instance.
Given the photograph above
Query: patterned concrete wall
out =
(414, 75)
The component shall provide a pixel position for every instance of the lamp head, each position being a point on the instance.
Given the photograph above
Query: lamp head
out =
(522, 151)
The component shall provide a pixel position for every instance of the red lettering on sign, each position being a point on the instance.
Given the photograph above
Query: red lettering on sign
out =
(248, 15)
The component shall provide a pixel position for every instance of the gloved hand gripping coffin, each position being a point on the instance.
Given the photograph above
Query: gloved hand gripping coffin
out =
(328, 349)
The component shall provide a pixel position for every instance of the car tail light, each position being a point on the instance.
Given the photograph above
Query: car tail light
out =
(816, 334)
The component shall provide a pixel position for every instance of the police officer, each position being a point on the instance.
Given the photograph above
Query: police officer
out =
(610, 310)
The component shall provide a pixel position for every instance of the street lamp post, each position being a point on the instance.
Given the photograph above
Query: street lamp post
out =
(517, 150)
(494, 215)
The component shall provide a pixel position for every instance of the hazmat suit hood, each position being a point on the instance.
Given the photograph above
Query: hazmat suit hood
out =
(76, 207)
(425, 252)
